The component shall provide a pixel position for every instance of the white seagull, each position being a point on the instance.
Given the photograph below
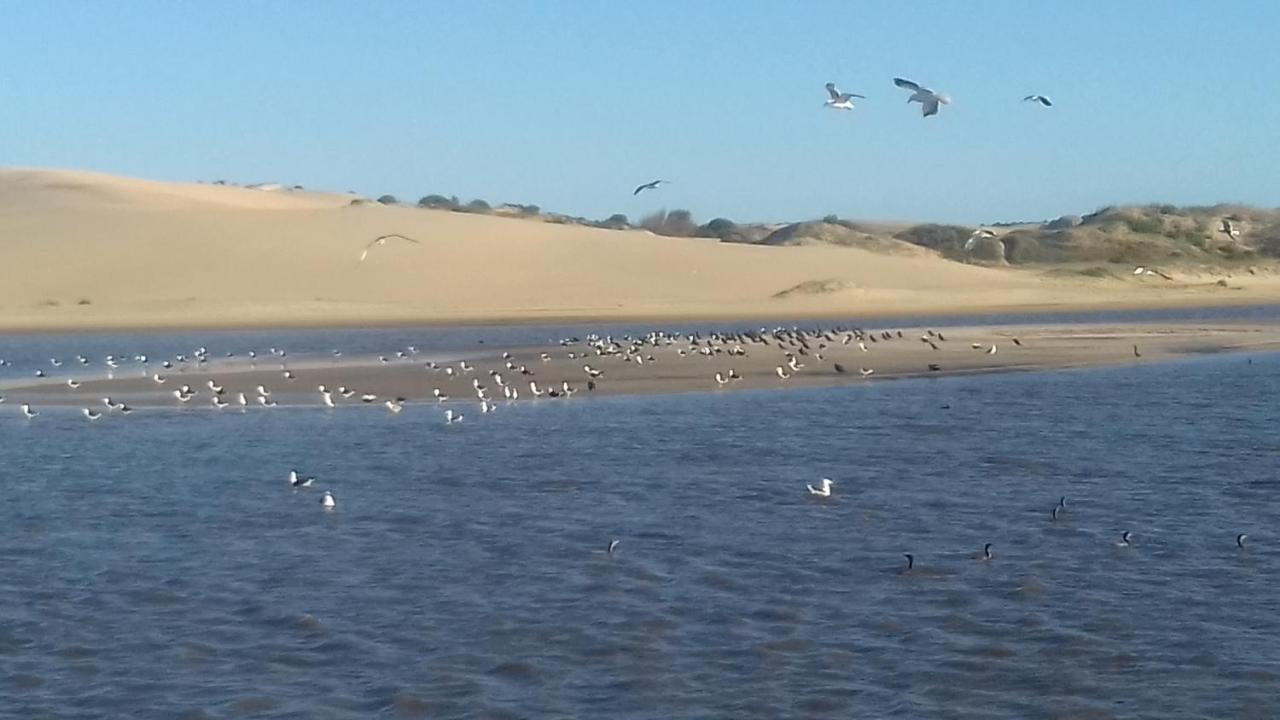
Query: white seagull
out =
(327, 502)
(91, 414)
(839, 100)
(824, 490)
(382, 240)
(27, 412)
(1228, 228)
(928, 99)
(979, 234)
(296, 480)
(450, 417)
(1038, 98)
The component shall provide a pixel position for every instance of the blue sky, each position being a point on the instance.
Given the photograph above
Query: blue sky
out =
(569, 105)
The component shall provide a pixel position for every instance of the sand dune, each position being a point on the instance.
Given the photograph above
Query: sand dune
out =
(84, 250)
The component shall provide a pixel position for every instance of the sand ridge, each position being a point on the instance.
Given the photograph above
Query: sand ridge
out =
(88, 251)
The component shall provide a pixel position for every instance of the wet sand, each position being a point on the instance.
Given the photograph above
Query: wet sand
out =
(671, 365)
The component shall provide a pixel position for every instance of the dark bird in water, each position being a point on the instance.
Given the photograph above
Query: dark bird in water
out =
(1135, 351)
(911, 562)
(1062, 502)
(839, 368)
(986, 552)
(613, 545)
(1053, 515)
(1240, 540)
(1124, 539)
(649, 186)
(934, 367)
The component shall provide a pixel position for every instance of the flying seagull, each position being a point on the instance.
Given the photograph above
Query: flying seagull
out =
(1228, 228)
(649, 186)
(928, 99)
(1038, 98)
(839, 100)
(382, 240)
(979, 234)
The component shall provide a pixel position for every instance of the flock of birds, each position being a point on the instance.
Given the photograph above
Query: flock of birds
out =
(930, 101)
(824, 491)
(799, 349)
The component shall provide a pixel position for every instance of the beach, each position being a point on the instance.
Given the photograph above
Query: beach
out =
(86, 251)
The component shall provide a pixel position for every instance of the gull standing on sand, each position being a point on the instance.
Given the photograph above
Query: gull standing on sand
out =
(653, 185)
(928, 99)
(839, 100)
(1038, 98)
(382, 240)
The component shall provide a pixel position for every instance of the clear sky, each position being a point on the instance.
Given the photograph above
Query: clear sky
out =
(569, 105)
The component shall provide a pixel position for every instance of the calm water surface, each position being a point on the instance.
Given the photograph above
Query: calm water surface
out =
(159, 566)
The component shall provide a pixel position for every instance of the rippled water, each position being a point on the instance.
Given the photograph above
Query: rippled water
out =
(159, 566)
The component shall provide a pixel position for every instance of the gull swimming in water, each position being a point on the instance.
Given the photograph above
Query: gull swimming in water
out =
(653, 185)
(450, 417)
(27, 412)
(296, 480)
(1038, 98)
(91, 414)
(382, 240)
(839, 100)
(327, 502)
(928, 99)
(823, 491)
(1240, 540)
(1124, 539)
(985, 554)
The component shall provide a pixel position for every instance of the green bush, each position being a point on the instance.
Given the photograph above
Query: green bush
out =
(677, 223)
(438, 202)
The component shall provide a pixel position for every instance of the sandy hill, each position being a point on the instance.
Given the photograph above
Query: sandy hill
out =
(83, 250)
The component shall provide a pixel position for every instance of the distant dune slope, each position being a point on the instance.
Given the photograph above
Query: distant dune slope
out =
(84, 250)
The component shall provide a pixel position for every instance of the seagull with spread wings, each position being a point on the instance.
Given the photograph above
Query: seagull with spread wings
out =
(649, 186)
(928, 99)
(382, 240)
(840, 100)
(1038, 98)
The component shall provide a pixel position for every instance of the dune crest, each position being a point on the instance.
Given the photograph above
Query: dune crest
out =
(84, 250)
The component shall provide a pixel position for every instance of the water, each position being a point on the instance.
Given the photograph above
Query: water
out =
(159, 566)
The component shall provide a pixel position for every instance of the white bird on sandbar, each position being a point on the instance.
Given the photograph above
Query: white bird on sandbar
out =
(928, 99)
(382, 240)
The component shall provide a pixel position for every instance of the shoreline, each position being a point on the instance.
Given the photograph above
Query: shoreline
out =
(382, 321)
(655, 365)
